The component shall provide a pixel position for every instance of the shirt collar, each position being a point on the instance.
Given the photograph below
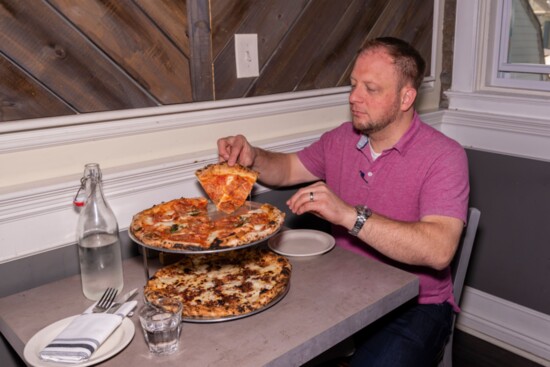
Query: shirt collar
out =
(405, 140)
(363, 141)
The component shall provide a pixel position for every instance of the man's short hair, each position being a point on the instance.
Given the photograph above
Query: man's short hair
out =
(408, 61)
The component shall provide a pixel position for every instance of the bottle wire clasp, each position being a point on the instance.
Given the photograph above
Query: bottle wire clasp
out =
(80, 197)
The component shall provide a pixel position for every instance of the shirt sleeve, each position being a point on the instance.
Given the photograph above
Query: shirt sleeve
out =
(316, 156)
(446, 188)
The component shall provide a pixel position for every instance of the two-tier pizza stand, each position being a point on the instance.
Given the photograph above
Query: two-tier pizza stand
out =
(146, 248)
(145, 253)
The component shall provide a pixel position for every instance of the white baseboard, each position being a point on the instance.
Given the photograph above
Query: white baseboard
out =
(516, 328)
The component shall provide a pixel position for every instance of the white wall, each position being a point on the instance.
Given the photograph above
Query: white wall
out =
(120, 139)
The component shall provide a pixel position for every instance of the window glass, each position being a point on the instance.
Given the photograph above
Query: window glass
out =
(525, 45)
(528, 37)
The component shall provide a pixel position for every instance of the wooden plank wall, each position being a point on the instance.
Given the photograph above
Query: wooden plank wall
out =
(62, 57)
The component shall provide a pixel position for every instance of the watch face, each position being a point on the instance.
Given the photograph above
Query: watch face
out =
(361, 210)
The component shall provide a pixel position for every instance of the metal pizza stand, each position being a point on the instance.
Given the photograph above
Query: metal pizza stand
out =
(197, 250)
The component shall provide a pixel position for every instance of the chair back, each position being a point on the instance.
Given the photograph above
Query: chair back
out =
(459, 265)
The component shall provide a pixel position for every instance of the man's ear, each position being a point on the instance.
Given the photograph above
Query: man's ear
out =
(408, 95)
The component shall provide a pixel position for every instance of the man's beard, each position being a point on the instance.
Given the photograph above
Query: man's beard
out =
(381, 123)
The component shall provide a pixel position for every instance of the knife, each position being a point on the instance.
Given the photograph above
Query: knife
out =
(125, 298)
(125, 309)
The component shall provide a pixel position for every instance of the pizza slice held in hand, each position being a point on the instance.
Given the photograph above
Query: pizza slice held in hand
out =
(227, 186)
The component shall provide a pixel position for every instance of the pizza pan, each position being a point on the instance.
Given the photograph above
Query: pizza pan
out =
(201, 251)
(205, 320)
(198, 250)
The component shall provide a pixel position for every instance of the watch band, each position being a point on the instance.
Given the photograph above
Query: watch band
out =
(363, 213)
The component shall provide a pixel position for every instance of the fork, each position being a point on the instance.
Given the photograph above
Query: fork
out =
(105, 301)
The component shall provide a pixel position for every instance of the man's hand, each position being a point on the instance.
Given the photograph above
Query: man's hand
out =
(432, 241)
(319, 199)
(236, 149)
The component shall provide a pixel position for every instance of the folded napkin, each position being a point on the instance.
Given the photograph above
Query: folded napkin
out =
(84, 335)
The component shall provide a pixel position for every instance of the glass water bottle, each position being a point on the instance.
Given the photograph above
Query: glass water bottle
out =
(98, 239)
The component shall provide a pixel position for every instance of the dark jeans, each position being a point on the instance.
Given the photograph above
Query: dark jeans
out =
(410, 336)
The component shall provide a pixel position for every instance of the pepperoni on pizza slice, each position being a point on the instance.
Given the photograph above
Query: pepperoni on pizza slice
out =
(227, 186)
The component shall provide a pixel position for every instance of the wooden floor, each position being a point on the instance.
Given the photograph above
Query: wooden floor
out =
(469, 351)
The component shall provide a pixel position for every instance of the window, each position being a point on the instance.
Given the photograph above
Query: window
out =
(490, 107)
(523, 55)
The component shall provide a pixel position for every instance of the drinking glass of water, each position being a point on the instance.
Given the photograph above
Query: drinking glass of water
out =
(161, 324)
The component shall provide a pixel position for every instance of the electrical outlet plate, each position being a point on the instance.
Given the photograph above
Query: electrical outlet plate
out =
(246, 55)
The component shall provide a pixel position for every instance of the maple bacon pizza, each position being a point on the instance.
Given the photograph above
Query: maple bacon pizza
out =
(222, 284)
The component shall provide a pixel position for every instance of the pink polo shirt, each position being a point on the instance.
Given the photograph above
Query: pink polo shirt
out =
(425, 173)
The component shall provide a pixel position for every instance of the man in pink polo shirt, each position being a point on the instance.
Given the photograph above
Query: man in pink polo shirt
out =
(393, 188)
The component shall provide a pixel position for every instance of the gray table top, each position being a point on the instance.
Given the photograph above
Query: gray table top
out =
(331, 297)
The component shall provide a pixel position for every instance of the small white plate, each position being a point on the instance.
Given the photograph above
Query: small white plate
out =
(301, 242)
(120, 338)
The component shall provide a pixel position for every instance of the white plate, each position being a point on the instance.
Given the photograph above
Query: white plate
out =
(301, 242)
(120, 338)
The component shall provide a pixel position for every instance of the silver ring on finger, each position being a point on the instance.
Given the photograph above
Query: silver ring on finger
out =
(311, 196)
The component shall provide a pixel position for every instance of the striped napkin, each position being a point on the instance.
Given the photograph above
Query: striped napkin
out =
(84, 335)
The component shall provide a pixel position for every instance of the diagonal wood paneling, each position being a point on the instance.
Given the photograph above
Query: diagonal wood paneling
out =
(201, 50)
(129, 37)
(171, 18)
(300, 47)
(410, 20)
(307, 45)
(271, 20)
(48, 47)
(332, 64)
(30, 99)
(60, 57)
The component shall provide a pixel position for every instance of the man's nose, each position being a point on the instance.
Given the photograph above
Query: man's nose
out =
(354, 96)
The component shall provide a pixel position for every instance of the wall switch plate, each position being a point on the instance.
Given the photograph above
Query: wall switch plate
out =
(246, 55)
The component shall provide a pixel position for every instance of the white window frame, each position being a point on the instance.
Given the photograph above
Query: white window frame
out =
(484, 116)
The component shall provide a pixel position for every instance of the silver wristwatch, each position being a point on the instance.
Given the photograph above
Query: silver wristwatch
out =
(363, 213)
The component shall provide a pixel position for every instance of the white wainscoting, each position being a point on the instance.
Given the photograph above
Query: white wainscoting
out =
(43, 218)
(527, 137)
(518, 329)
